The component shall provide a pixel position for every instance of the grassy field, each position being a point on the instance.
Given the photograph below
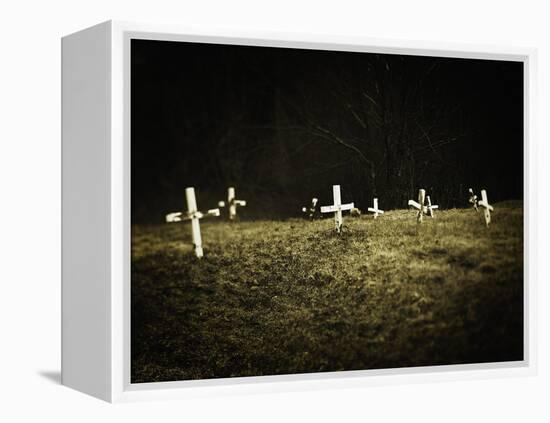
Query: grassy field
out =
(278, 297)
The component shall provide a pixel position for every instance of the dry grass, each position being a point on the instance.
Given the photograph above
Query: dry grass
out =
(278, 297)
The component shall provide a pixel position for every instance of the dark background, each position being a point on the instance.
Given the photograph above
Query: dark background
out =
(284, 125)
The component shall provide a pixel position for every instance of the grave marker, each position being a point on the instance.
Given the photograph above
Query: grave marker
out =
(430, 208)
(420, 205)
(375, 209)
(486, 206)
(232, 203)
(337, 208)
(194, 216)
(312, 210)
(473, 199)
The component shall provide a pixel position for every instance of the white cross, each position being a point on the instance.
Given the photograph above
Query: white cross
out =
(486, 206)
(337, 208)
(312, 209)
(430, 208)
(375, 209)
(473, 198)
(232, 203)
(420, 205)
(194, 216)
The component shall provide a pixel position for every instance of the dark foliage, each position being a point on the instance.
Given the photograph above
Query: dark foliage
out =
(283, 125)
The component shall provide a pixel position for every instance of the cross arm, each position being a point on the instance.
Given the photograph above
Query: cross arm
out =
(174, 217)
(333, 208)
(213, 212)
(414, 204)
(486, 205)
(181, 216)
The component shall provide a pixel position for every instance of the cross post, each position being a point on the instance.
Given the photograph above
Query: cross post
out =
(338, 220)
(195, 225)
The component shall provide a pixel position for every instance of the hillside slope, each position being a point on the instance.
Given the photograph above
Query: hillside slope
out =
(278, 297)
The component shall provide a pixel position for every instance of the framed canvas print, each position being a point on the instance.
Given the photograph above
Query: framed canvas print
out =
(249, 212)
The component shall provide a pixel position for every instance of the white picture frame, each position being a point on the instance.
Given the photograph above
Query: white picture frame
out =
(96, 214)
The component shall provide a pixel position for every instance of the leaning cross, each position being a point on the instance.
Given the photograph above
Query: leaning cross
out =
(194, 216)
(312, 209)
(430, 208)
(337, 208)
(487, 207)
(420, 205)
(375, 209)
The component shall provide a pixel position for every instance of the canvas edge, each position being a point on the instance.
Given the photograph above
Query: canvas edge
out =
(85, 140)
(121, 389)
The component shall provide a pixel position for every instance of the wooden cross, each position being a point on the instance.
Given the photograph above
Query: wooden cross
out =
(375, 209)
(337, 208)
(486, 206)
(430, 208)
(420, 205)
(232, 203)
(312, 210)
(473, 198)
(194, 216)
